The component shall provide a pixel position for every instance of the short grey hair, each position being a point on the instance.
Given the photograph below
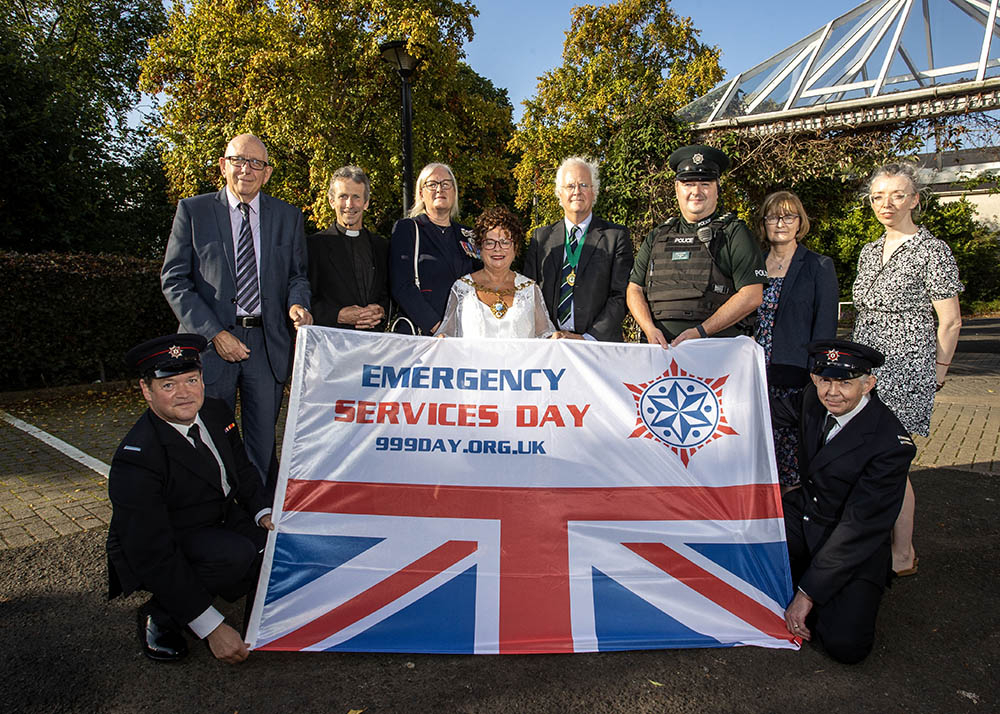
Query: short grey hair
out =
(898, 168)
(350, 173)
(589, 164)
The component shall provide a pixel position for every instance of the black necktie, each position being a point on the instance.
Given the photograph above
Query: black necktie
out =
(211, 465)
(831, 421)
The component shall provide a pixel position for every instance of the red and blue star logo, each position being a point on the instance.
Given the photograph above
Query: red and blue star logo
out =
(680, 410)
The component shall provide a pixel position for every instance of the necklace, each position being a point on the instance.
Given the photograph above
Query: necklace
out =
(498, 307)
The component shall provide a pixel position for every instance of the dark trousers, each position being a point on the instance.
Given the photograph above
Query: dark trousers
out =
(260, 397)
(226, 559)
(845, 623)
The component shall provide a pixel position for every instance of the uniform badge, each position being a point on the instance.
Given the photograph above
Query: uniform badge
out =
(232, 425)
(833, 355)
(697, 159)
(175, 352)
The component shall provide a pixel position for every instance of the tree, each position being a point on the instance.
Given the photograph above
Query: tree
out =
(308, 78)
(627, 67)
(68, 76)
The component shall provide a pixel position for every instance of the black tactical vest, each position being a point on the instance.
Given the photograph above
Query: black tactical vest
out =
(683, 280)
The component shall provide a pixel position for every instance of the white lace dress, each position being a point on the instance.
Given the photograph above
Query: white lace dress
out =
(467, 315)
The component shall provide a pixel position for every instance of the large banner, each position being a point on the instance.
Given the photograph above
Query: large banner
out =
(515, 496)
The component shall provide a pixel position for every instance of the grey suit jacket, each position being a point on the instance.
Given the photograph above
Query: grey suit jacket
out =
(601, 275)
(199, 272)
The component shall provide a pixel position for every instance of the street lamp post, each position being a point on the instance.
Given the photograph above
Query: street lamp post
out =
(395, 54)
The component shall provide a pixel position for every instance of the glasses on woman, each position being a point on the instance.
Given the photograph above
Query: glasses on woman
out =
(880, 199)
(445, 185)
(493, 243)
(786, 219)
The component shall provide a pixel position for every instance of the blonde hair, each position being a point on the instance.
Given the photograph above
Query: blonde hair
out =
(782, 200)
(418, 201)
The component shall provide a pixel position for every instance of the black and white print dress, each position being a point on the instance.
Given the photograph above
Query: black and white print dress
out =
(895, 316)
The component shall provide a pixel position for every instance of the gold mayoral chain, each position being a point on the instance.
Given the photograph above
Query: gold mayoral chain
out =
(498, 307)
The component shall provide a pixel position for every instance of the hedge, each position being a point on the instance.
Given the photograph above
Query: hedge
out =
(70, 318)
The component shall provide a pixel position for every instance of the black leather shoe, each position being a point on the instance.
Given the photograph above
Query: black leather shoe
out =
(159, 639)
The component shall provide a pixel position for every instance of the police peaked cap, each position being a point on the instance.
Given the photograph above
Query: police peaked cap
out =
(842, 359)
(166, 356)
(698, 163)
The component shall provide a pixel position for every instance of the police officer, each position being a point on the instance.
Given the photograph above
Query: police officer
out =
(854, 456)
(702, 274)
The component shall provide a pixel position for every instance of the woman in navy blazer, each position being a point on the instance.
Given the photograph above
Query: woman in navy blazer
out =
(446, 252)
(799, 307)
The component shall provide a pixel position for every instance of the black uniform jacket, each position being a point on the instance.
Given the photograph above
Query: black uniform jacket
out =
(852, 490)
(160, 491)
(601, 275)
(334, 280)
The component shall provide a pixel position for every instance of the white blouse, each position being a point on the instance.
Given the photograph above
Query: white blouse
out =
(468, 316)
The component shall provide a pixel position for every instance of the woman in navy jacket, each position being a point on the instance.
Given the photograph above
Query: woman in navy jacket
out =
(799, 307)
(446, 252)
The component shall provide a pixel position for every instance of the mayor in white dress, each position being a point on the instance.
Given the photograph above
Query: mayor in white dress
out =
(496, 301)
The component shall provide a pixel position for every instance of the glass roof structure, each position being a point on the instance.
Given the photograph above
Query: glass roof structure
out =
(882, 61)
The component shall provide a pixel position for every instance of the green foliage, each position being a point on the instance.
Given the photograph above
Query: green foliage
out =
(72, 174)
(627, 67)
(308, 78)
(70, 318)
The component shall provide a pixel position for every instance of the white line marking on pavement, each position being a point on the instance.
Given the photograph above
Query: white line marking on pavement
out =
(71, 451)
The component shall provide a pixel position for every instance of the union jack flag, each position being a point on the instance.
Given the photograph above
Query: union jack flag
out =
(472, 569)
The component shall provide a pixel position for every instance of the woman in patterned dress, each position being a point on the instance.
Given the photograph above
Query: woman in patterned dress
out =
(904, 278)
(800, 306)
(496, 301)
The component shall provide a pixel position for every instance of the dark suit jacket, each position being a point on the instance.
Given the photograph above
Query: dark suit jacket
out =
(335, 283)
(807, 311)
(199, 273)
(160, 490)
(601, 275)
(852, 490)
(441, 261)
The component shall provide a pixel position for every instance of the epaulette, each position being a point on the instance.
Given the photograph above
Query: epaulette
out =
(129, 447)
(669, 223)
(725, 218)
(904, 439)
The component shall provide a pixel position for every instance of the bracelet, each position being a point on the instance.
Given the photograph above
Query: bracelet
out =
(943, 364)
(938, 387)
(701, 331)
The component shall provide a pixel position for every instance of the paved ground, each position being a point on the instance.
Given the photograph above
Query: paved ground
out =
(67, 649)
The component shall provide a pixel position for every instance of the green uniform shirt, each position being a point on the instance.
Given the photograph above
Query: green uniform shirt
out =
(739, 258)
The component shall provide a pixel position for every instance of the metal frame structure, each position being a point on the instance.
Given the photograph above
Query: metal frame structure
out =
(842, 74)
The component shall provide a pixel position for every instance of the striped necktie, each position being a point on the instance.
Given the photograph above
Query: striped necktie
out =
(247, 286)
(565, 288)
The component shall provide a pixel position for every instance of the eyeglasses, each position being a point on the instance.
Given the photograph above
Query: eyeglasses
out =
(787, 219)
(493, 243)
(572, 187)
(241, 161)
(445, 185)
(879, 199)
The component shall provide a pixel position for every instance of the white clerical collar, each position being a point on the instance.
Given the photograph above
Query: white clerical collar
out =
(583, 225)
(235, 201)
(348, 231)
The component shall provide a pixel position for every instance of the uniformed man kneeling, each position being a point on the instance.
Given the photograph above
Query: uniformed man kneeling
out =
(854, 456)
(700, 275)
(190, 512)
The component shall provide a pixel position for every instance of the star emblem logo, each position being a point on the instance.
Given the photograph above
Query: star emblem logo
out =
(832, 355)
(175, 351)
(680, 410)
(697, 158)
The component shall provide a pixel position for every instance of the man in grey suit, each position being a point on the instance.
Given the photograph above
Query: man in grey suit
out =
(235, 273)
(582, 262)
